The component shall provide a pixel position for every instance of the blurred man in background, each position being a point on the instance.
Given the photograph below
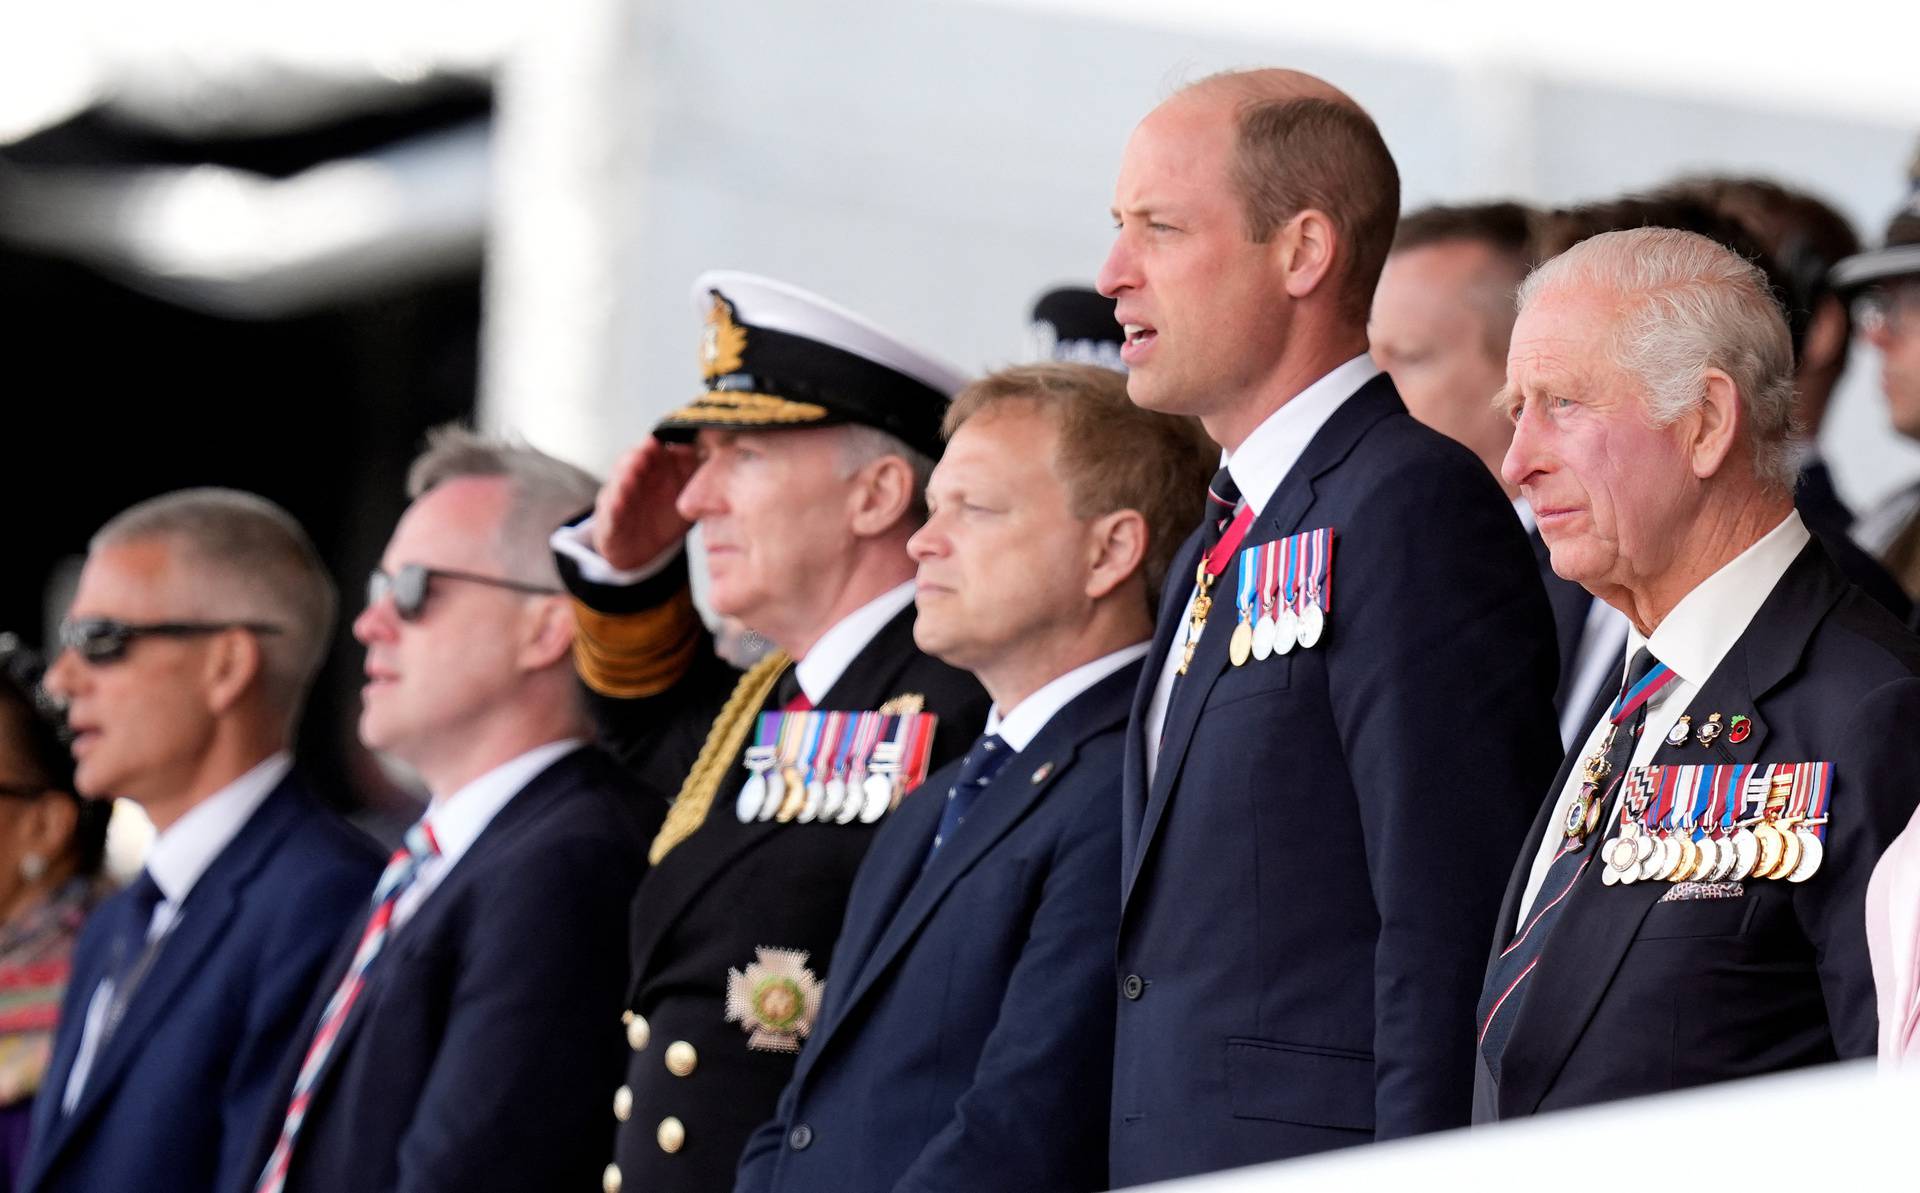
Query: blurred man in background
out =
(465, 1032)
(199, 622)
(1439, 327)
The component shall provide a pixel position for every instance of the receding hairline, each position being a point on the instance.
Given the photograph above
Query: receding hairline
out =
(1266, 85)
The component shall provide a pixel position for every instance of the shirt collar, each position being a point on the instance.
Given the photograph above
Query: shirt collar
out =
(460, 818)
(1020, 726)
(181, 855)
(830, 656)
(1523, 509)
(1703, 627)
(1265, 457)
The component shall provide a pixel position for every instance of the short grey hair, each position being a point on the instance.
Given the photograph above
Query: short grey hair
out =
(544, 492)
(861, 445)
(248, 560)
(1690, 304)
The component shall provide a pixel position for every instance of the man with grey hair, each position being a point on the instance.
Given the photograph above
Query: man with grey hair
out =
(1690, 905)
(475, 1054)
(804, 465)
(198, 624)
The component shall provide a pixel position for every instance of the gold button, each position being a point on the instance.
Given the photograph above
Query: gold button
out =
(681, 1058)
(623, 1103)
(638, 1031)
(672, 1136)
(610, 1179)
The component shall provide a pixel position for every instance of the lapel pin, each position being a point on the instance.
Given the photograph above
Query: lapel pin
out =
(1677, 736)
(1041, 772)
(1739, 728)
(1709, 732)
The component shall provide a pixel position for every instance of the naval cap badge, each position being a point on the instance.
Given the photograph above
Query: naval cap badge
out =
(776, 1000)
(723, 343)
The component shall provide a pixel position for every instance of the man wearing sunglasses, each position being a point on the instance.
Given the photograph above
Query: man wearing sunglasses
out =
(466, 1033)
(199, 622)
(805, 474)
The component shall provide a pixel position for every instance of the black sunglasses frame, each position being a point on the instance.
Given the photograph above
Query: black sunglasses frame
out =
(98, 640)
(411, 584)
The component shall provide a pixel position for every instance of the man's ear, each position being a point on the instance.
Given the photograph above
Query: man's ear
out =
(1715, 425)
(1304, 250)
(550, 628)
(881, 494)
(234, 661)
(1116, 551)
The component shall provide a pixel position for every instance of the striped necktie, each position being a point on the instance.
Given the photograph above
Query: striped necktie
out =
(1506, 987)
(399, 875)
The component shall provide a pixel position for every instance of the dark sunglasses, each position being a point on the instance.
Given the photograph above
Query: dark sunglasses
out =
(408, 586)
(104, 640)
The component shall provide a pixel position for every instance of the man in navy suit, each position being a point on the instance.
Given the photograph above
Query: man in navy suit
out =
(1671, 928)
(1315, 832)
(472, 1050)
(966, 1037)
(199, 622)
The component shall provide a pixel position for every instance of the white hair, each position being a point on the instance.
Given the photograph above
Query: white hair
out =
(861, 445)
(1690, 304)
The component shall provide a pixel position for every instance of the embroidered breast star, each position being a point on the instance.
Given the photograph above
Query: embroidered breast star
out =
(775, 1001)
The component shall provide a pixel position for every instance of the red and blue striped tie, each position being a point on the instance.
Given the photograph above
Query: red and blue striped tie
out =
(399, 875)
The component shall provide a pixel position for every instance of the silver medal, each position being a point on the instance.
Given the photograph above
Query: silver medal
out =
(753, 792)
(836, 791)
(1264, 632)
(1312, 624)
(879, 792)
(1286, 632)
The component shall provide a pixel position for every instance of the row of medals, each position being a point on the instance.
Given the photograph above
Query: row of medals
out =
(788, 793)
(1272, 635)
(1770, 845)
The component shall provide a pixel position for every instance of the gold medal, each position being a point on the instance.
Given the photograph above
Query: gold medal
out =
(795, 798)
(1771, 846)
(1240, 648)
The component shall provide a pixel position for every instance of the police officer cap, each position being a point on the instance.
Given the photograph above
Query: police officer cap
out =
(1899, 255)
(776, 356)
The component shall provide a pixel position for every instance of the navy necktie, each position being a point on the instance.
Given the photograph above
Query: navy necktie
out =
(982, 763)
(1508, 981)
(1223, 499)
(133, 952)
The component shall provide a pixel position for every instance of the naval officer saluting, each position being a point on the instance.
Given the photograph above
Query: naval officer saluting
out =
(1690, 907)
(806, 474)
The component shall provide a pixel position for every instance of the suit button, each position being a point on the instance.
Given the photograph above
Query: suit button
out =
(681, 1058)
(638, 1030)
(671, 1136)
(623, 1103)
(610, 1179)
(1133, 987)
(800, 1138)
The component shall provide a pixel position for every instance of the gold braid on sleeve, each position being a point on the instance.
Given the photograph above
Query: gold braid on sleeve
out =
(717, 755)
(629, 655)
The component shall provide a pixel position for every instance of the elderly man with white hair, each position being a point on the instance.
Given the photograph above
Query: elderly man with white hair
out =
(1689, 908)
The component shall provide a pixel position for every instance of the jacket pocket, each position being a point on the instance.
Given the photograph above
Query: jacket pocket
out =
(1300, 1083)
(1683, 918)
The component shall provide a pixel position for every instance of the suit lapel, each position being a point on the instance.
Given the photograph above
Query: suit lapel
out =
(1281, 517)
(1578, 962)
(201, 924)
(1019, 787)
(1169, 626)
(425, 922)
(870, 680)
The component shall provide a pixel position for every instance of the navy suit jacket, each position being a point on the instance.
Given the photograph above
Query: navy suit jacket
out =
(1310, 876)
(172, 1103)
(966, 1038)
(1632, 995)
(479, 1052)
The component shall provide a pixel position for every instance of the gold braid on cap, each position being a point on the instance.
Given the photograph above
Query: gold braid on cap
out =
(630, 655)
(717, 756)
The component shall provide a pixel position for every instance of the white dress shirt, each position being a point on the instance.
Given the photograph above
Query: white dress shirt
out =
(1691, 641)
(837, 648)
(178, 859)
(1257, 467)
(1027, 718)
(457, 820)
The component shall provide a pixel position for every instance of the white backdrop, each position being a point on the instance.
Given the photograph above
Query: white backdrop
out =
(936, 164)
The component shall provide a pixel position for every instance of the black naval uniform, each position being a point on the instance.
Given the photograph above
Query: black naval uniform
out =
(729, 889)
